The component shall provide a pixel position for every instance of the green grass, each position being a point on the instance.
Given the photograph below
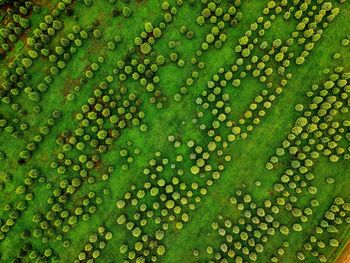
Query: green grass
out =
(177, 118)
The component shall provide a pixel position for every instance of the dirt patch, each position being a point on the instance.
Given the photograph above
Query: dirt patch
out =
(98, 165)
(345, 255)
(69, 85)
(44, 3)
(2, 52)
(141, 2)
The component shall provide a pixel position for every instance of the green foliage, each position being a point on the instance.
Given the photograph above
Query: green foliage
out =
(146, 48)
(230, 149)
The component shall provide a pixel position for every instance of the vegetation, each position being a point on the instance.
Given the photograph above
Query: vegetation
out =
(174, 131)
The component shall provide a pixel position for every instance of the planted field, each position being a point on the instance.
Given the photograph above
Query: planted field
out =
(175, 131)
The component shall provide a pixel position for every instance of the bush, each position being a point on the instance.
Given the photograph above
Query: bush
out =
(27, 62)
(146, 48)
(148, 27)
(97, 33)
(126, 12)
(160, 250)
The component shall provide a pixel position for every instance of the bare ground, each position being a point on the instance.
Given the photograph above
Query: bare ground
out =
(344, 257)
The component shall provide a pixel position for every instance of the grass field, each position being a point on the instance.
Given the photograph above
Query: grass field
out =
(174, 131)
